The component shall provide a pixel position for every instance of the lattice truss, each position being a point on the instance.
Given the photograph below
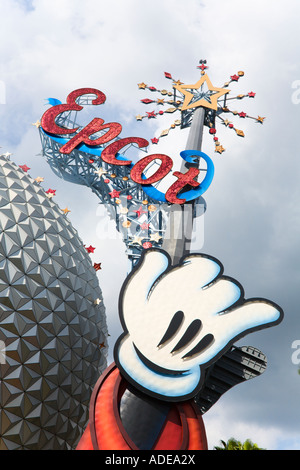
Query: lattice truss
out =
(141, 220)
(184, 99)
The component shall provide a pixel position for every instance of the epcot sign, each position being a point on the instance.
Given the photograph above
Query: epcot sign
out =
(111, 155)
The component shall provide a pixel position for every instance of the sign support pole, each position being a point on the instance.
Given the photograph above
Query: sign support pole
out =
(181, 217)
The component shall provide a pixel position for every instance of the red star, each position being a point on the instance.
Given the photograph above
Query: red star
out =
(144, 226)
(129, 197)
(114, 194)
(97, 266)
(152, 88)
(242, 114)
(202, 67)
(140, 211)
(234, 78)
(51, 191)
(168, 75)
(24, 168)
(151, 114)
(154, 140)
(90, 249)
(251, 94)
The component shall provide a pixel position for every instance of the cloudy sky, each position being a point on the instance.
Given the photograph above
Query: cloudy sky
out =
(49, 48)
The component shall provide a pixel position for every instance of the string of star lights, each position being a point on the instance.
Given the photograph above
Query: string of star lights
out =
(184, 99)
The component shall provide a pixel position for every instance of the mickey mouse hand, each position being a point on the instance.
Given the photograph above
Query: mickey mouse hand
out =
(181, 319)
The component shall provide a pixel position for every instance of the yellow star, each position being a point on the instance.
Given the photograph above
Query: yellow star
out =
(123, 210)
(177, 82)
(137, 240)
(142, 85)
(160, 101)
(139, 117)
(39, 179)
(100, 172)
(164, 133)
(188, 96)
(66, 210)
(97, 302)
(37, 124)
(155, 237)
(260, 119)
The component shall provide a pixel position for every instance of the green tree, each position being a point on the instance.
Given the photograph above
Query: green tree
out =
(234, 444)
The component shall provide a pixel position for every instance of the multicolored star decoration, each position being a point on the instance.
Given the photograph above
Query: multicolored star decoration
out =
(186, 98)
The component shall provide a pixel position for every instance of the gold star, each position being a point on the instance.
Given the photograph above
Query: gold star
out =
(155, 237)
(137, 239)
(188, 96)
(97, 302)
(177, 82)
(240, 133)
(139, 117)
(37, 124)
(261, 119)
(100, 172)
(220, 149)
(66, 210)
(160, 101)
(226, 122)
(39, 179)
(142, 86)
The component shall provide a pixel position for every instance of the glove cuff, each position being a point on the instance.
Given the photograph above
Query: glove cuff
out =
(167, 386)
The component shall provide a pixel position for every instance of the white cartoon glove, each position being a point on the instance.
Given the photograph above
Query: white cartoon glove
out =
(177, 320)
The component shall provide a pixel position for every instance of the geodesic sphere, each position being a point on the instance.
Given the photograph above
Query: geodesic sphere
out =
(52, 330)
